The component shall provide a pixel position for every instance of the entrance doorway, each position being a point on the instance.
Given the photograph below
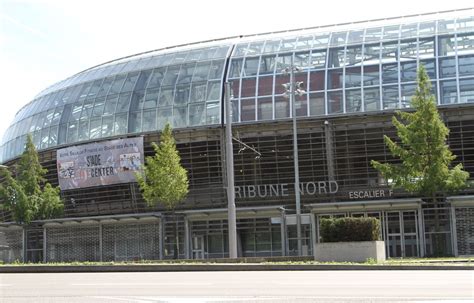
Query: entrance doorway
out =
(198, 247)
(401, 229)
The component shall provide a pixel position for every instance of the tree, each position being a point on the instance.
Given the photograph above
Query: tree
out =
(425, 157)
(163, 179)
(28, 195)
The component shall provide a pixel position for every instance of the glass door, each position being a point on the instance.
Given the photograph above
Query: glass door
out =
(198, 247)
(401, 229)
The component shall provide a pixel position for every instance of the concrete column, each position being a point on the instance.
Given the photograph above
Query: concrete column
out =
(45, 259)
(186, 238)
(283, 233)
(314, 231)
(421, 232)
(454, 232)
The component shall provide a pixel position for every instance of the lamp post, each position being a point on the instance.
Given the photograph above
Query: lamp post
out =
(292, 89)
(231, 213)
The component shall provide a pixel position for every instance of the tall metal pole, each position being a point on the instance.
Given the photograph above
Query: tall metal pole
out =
(295, 158)
(232, 220)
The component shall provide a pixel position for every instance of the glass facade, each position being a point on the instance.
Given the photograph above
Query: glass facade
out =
(343, 71)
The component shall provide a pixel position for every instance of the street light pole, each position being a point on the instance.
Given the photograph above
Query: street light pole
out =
(232, 219)
(293, 89)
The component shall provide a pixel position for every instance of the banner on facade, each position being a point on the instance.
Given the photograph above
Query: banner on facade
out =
(104, 163)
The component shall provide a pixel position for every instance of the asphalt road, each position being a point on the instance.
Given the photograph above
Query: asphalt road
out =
(259, 286)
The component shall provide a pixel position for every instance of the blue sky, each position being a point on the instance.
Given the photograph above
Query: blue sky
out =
(45, 41)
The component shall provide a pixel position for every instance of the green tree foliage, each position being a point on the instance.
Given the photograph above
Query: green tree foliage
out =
(425, 156)
(27, 194)
(163, 179)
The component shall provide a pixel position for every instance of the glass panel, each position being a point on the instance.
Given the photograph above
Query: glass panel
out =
(186, 73)
(96, 127)
(427, 28)
(466, 66)
(338, 38)
(371, 54)
(265, 109)
(212, 112)
(83, 132)
(409, 30)
(247, 111)
(354, 55)
(248, 87)
(372, 98)
(130, 82)
(282, 107)
(95, 88)
(465, 24)
(105, 87)
(110, 104)
(466, 88)
(446, 46)
(389, 52)
(171, 76)
(287, 44)
(390, 97)
(235, 68)
(390, 73)
(355, 37)
(447, 67)
(301, 105)
(353, 100)
(448, 92)
(304, 42)
(44, 138)
(250, 67)
(317, 59)
(267, 65)
(282, 61)
(335, 102)
(265, 86)
(408, 71)
(166, 96)
(301, 60)
(182, 94)
(372, 34)
(336, 58)
(156, 77)
(135, 122)
(321, 41)
(391, 32)
(143, 80)
(430, 67)
(82, 94)
(426, 49)
(117, 85)
(180, 116)
(408, 90)
(446, 26)
(150, 101)
(316, 80)
(197, 114)
(201, 72)
(335, 78)
(198, 92)
(149, 120)
(353, 77)
(72, 132)
(217, 67)
(107, 126)
(123, 104)
(316, 104)
(466, 45)
(53, 136)
(213, 91)
(371, 75)
(137, 101)
(408, 50)
(271, 46)
(121, 124)
(98, 107)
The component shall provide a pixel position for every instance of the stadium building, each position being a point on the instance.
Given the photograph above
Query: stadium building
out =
(354, 77)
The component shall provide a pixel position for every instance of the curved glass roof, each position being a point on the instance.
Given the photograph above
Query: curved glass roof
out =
(356, 67)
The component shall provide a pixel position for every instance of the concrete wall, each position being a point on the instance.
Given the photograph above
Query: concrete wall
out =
(350, 251)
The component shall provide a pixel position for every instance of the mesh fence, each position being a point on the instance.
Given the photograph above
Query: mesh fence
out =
(11, 244)
(131, 241)
(72, 243)
(465, 230)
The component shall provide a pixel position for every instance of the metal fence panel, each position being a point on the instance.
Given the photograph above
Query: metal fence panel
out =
(11, 244)
(73, 243)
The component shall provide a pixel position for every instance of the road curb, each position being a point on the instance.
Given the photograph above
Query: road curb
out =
(218, 267)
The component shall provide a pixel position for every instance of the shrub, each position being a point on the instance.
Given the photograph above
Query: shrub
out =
(350, 229)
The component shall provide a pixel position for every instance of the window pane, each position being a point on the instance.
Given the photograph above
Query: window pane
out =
(426, 48)
(353, 100)
(371, 98)
(316, 80)
(467, 90)
(301, 105)
(107, 126)
(117, 85)
(130, 82)
(466, 45)
(235, 68)
(282, 107)
(180, 116)
(182, 94)
(353, 77)
(83, 133)
(247, 110)
(430, 67)
(250, 67)
(197, 114)
(198, 92)
(121, 124)
(150, 101)
(447, 68)
(265, 86)
(156, 77)
(123, 104)
(149, 120)
(371, 54)
(267, 65)
(408, 90)
(264, 109)
(98, 107)
(335, 78)
(143, 80)
(389, 52)
(407, 50)
(166, 96)
(72, 132)
(317, 59)
(216, 69)
(171, 76)
(186, 73)
(213, 112)
(390, 73)
(336, 57)
(466, 66)
(96, 126)
(135, 122)
(354, 55)
(335, 102)
(448, 92)
(316, 104)
(371, 75)
(408, 71)
(390, 97)
(110, 105)
(446, 46)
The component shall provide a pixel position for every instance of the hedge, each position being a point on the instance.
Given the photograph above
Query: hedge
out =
(350, 229)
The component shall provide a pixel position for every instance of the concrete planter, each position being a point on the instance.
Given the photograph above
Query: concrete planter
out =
(350, 251)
